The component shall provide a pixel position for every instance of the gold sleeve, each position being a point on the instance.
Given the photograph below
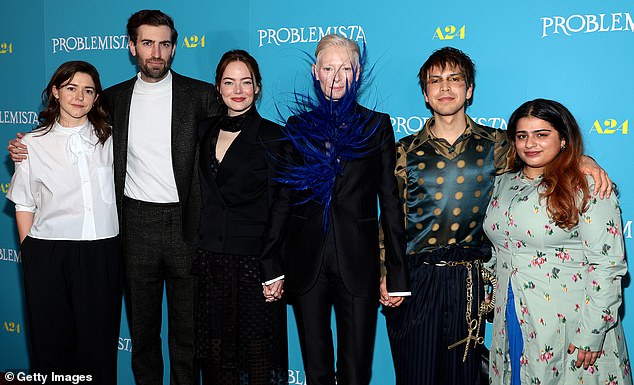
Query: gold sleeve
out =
(500, 152)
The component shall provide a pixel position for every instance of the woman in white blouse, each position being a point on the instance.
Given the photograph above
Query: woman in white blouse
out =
(68, 227)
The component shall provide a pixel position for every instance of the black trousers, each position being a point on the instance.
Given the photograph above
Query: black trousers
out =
(422, 328)
(156, 258)
(356, 319)
(73, 305)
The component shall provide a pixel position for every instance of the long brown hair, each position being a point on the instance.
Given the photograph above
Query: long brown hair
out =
(565, 188)
(51, 112)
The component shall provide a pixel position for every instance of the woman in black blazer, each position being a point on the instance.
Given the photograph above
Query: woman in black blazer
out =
(240, 333)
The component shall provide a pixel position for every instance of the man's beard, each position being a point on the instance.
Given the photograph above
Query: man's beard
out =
(153, 72)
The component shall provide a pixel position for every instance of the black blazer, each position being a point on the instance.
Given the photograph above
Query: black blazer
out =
(192, 101)
(354, 220)
(236, 203)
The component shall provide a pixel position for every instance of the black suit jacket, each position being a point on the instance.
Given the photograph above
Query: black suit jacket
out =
(354, 220)
(192, 101)
(236, 202)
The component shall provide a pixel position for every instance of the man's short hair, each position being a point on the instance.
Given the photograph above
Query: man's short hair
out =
(151, 17)
(448, 56)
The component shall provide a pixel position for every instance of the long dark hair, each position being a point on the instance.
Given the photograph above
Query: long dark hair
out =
(64, 74)
(562, 181)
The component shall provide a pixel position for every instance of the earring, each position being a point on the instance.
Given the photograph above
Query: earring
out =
(562, 148)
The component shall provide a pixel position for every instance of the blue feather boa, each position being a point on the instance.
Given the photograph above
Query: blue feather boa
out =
(325, 133)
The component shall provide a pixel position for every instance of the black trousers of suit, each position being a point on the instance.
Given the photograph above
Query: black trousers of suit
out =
(73, 305)
(356, 319)
(156, 258)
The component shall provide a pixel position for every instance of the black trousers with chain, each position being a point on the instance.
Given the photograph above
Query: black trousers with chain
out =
(423, 327)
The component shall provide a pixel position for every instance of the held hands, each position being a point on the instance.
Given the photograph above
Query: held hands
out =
(602, 183)
(274, 291)
(385, 298)
(586, 358)
(16, 149)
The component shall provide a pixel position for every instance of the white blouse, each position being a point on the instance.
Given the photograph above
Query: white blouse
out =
(67, 181)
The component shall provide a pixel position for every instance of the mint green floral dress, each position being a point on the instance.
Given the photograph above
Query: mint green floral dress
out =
(567, 287)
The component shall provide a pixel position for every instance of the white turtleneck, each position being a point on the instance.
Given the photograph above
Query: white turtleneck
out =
(149, 171)
(67, 182)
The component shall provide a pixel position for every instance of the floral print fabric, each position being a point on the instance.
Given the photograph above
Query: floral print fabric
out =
(567, 286)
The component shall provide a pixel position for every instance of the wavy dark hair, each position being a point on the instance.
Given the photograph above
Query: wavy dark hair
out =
(444, 57)
(565, 187)
(62, 76)
(248, 60)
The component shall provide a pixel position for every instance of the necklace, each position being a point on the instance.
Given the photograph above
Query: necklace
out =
(525, 176)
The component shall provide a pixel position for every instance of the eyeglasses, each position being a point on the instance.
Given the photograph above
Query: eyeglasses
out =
(452, 79)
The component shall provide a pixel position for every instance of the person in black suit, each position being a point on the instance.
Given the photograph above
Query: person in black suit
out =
(154, 118)
(341, 160)
(241, 334)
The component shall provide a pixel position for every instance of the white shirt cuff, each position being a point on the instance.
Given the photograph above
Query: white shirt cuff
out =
(400, 294)
(281, 277)
(30, 209)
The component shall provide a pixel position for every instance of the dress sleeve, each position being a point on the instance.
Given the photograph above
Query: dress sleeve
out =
(20, 187)
(491, 264)
(601, 231)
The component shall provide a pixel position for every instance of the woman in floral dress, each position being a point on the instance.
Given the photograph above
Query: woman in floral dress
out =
(559, 259)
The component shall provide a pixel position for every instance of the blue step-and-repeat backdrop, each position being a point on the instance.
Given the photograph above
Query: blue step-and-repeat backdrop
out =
(577, 52)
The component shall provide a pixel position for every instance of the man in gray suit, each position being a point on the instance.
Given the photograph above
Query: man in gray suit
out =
(154, 117)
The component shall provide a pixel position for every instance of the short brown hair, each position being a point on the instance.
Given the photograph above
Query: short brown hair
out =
(448, 56)
(151, 17)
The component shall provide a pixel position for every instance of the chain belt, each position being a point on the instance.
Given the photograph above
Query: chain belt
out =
(473, 324)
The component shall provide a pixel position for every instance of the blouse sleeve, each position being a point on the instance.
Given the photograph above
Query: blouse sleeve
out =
(601, 231)
(20, 187)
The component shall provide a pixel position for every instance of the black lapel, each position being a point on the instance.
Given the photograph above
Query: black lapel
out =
(239, 149)
(343, 163)
(120, 105)
(181, 120)
(207, 153)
